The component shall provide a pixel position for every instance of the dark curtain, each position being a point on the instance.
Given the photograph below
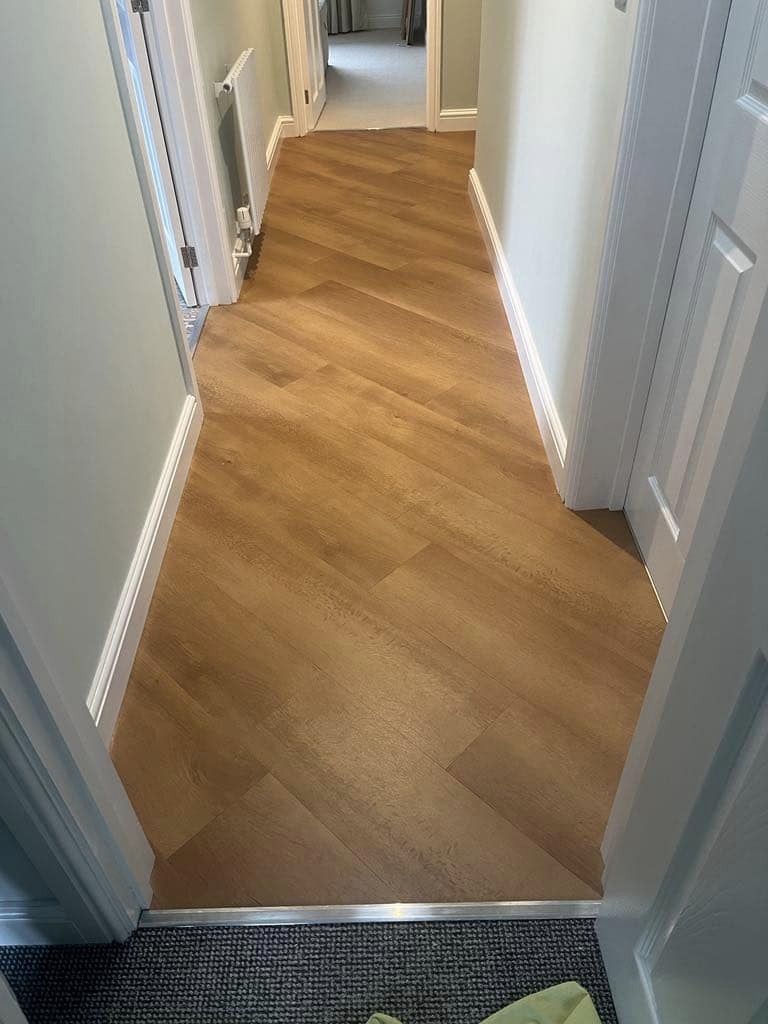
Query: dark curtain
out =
(414, 24)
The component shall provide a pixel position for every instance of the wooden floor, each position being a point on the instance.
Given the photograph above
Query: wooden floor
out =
(383, 661)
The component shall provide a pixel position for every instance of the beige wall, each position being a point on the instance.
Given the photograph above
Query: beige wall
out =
(553, 80)
(91, 385)
(223, 29)
(461, 53)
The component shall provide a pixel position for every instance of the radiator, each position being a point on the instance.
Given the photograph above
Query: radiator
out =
(243, 84)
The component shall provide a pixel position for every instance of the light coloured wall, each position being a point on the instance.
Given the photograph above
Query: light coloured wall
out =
(461, 53)
(91, 386)
(553, 80)
(223, 29)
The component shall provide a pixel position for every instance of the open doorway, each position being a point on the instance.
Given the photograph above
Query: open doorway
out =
(364, 64)
(157, 127)
(375, 59)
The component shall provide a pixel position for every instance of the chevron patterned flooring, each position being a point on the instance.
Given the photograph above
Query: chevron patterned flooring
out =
(383, 662)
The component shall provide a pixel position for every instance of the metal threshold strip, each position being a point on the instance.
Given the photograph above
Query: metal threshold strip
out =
(251, 917)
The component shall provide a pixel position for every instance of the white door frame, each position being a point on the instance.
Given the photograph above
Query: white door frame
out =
(59, 791)
(672, 78)
(295, 37)
(173, 50)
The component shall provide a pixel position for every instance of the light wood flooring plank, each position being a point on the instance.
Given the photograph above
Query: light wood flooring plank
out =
(270, 850)
(420, 830)
(383, 661)
(179, 767)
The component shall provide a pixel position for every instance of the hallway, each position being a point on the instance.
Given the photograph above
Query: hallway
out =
(383, 661)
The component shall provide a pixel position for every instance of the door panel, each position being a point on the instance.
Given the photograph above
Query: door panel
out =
(704, 949)
(315, 71)
(714, 308)
(684, 920)
(152, 127)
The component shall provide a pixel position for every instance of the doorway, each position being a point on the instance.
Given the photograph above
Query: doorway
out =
(156, 126)
(366, 64)
(375, 78)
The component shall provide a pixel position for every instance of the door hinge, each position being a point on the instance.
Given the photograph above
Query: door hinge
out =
(306, 96)
(189, 257)
(140, 6)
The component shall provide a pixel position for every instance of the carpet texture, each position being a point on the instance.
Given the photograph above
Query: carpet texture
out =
(421, 973)
(374, 81)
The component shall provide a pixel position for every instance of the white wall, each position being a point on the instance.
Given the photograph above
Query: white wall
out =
(553, 80)
(91, 386)
(461, 54)
(223, 29)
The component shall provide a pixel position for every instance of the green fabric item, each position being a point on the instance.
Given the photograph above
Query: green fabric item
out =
(563, 1004)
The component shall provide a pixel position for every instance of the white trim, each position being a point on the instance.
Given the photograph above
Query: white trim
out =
(191, 144)
(40, 922)
(123, 74)
(268, 916)
(284, 128)
(217, 226)
(384, 21)
(550, 426)
(674, 64)
(295, 51)
(60, 795)
(111, 678)
(457, 120)
(434, 68)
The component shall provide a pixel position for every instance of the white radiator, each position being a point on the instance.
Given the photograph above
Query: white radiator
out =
(243, 84)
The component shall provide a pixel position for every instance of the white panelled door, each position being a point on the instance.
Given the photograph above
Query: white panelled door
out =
(683, 925)
(714, 315)
(133, 30)
(314, 74)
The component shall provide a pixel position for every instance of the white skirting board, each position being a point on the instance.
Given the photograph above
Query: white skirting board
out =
(551, 429)
(457, 120)
(111, 678)
(35, 922)
(284, 128)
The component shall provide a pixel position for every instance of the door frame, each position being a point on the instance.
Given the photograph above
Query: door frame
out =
(672, 78)
(59, 791)
(293, 18)
(190, 141)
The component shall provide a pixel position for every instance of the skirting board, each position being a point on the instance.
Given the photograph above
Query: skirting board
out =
(284, 128)
(458, 120)
(111, 678)
(39, 922)
(550, 427)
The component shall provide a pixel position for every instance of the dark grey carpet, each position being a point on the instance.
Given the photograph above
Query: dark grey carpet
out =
(441, 973)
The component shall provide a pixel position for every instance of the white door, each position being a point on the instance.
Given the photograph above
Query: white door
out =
(684, 921)
(133, 30)
(314, 72)
(714, 315)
